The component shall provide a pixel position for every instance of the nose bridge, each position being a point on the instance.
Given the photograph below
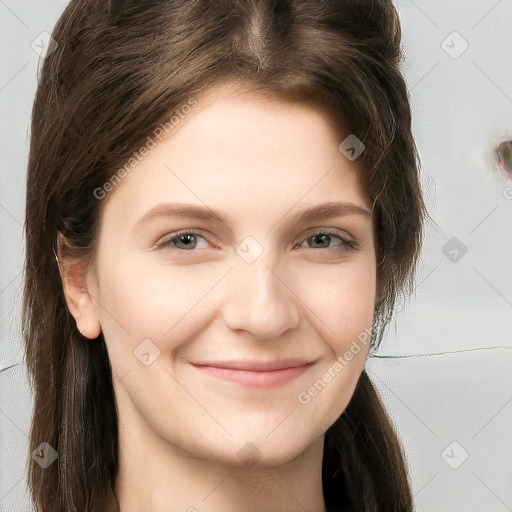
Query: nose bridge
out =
(259, 300)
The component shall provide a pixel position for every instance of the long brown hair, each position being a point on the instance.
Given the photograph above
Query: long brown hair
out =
(121, 69)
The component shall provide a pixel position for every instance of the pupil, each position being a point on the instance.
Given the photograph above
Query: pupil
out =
(321, 236)
(185, 237)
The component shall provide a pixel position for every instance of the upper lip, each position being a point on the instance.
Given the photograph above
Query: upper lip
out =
(257, 366)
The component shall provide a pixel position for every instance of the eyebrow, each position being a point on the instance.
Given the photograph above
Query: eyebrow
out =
(316, 212)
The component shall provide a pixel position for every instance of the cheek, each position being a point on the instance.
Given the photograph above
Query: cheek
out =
(340, 301)
(158, 302)
(343, 307)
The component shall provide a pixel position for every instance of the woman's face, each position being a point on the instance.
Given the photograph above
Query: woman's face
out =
(240, 340)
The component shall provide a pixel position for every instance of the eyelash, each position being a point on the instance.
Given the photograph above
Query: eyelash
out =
(344, 245)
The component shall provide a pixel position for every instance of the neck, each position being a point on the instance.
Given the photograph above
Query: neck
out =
(157, 477)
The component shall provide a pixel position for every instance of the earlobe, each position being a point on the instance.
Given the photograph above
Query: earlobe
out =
(81, 303)
(87, 321)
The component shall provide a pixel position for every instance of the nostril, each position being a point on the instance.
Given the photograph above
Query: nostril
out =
(503, 157)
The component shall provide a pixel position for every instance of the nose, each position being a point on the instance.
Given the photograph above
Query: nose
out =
(259, 301)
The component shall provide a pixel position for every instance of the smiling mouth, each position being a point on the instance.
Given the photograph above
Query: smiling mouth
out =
(255, 374)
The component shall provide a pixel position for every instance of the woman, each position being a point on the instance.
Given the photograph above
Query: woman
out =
(190, 345)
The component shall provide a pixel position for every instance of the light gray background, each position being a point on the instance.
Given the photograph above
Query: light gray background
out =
(444, 366)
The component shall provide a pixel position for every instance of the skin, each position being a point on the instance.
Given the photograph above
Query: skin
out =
(189, 441)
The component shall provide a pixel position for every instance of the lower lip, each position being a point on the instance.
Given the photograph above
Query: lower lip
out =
(255, 379)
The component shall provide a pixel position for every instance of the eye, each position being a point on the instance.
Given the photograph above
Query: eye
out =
(184, 240)
(323, 237)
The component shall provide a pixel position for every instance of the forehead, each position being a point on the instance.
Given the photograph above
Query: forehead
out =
(245, 98)
(237, 144)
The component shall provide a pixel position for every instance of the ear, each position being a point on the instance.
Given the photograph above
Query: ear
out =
(79, 285)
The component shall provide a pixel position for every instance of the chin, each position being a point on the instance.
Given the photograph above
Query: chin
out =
(257, 452)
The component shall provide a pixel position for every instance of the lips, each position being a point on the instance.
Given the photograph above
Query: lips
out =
(251, 373)
(258, 366)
